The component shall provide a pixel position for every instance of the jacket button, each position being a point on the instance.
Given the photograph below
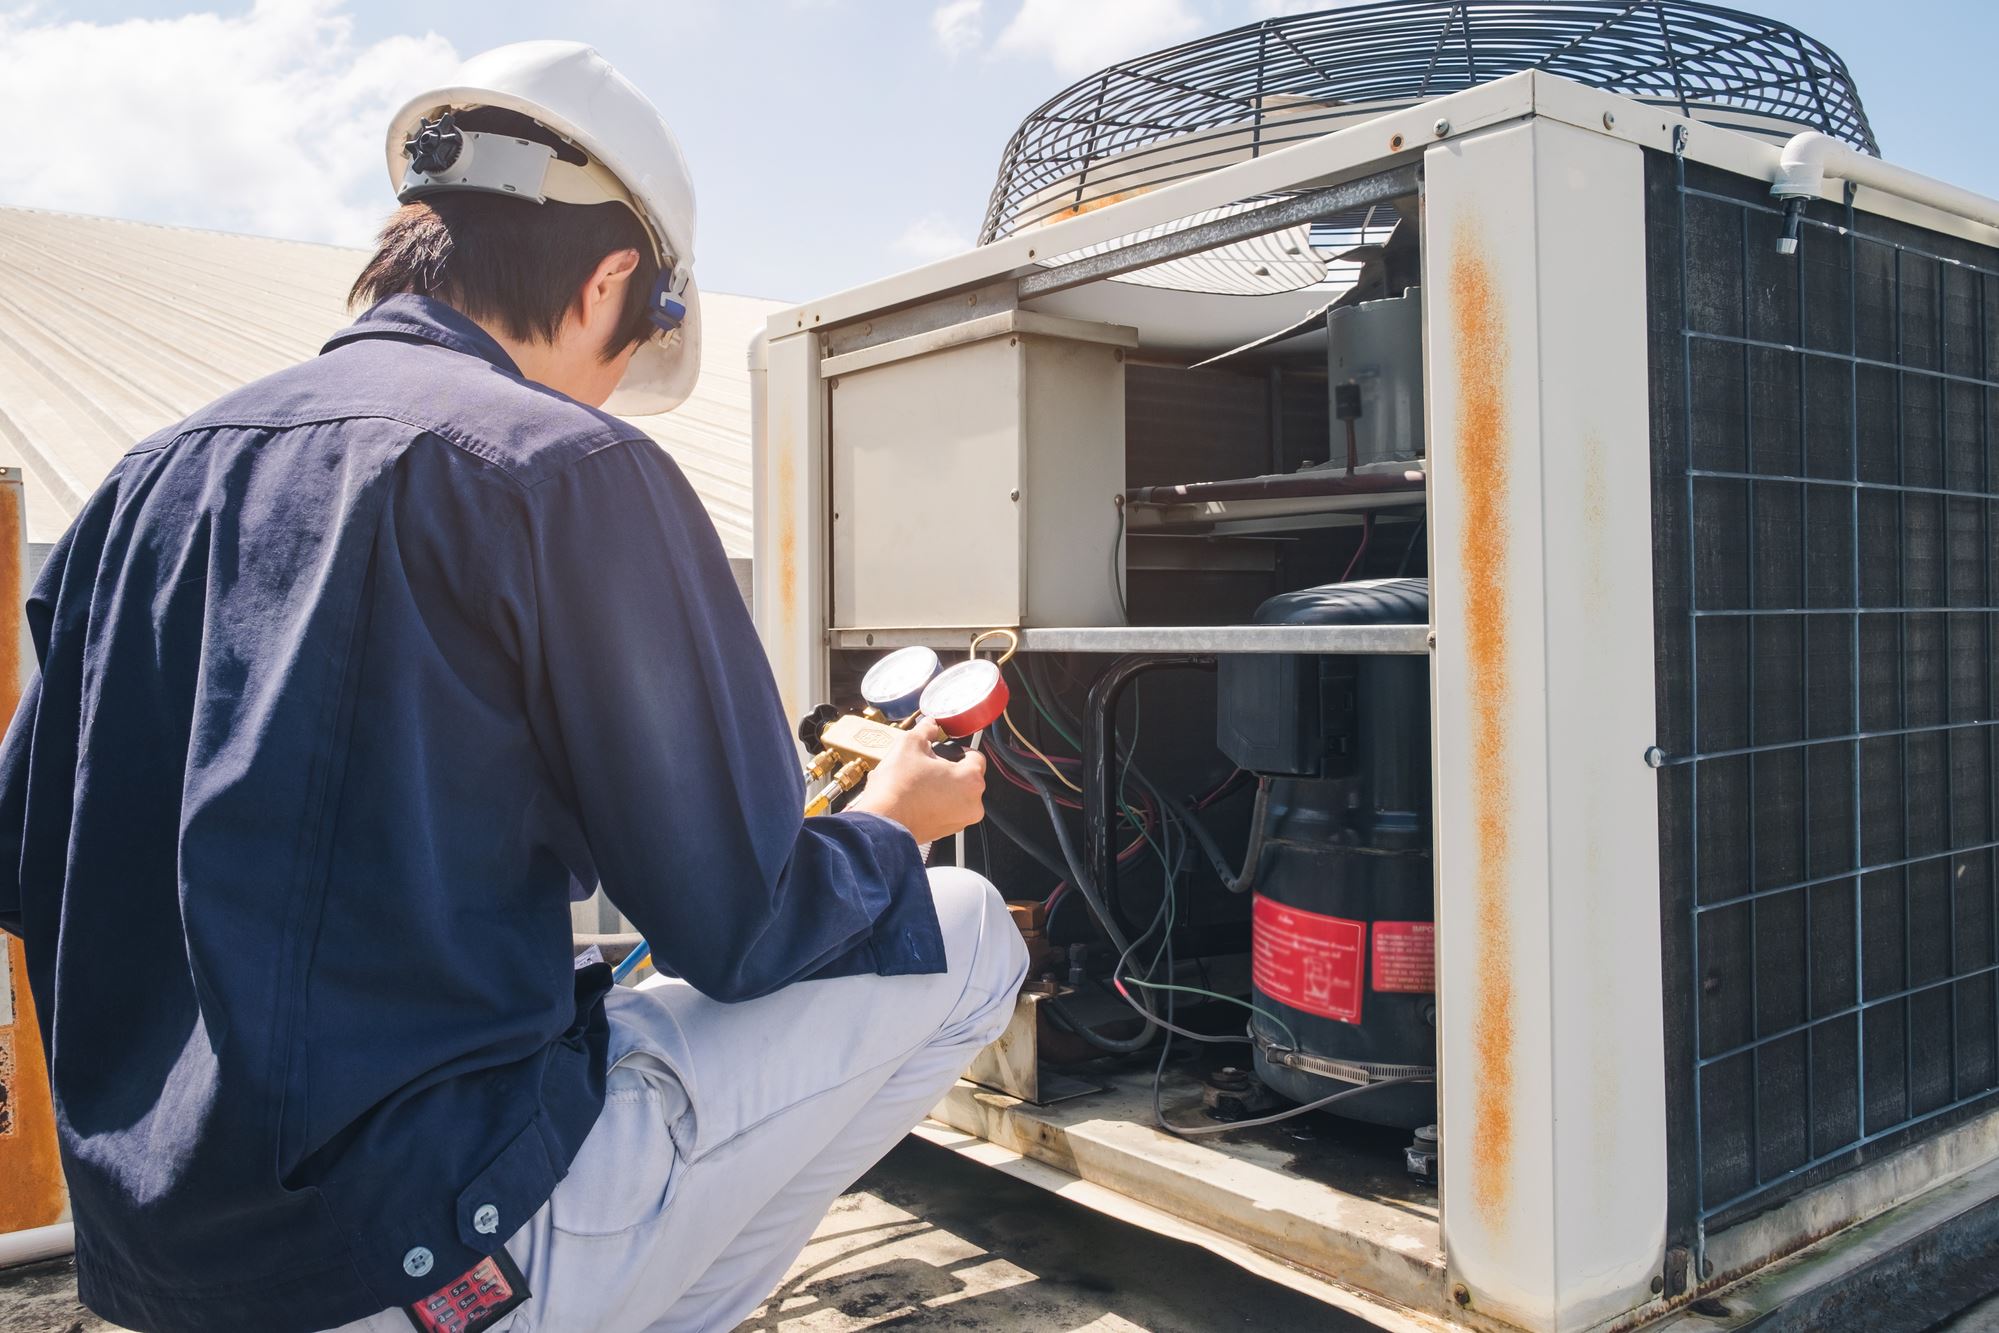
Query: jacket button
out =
(417, 1262)
(487, 1220)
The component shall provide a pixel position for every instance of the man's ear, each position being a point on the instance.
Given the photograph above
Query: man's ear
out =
(603, 295)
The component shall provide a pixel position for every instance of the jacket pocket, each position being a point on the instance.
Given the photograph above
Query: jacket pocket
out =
(624, 1174)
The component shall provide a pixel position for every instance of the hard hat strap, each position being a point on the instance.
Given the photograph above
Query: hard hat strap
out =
(445, 158)
(667, 308)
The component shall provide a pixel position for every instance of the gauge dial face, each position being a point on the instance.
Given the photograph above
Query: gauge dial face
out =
(966, 697)
(895, 683)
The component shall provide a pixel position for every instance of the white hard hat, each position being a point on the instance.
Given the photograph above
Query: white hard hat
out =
(634, 160)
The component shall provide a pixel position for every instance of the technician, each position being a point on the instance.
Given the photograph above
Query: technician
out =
(346, 681)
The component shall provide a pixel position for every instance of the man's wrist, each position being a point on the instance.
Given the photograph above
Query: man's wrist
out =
(857, 808)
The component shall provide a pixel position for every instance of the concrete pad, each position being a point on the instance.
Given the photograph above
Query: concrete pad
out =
(933, 1241)
(929, 1240)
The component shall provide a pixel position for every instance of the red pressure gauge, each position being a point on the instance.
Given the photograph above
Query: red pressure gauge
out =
(966, 698)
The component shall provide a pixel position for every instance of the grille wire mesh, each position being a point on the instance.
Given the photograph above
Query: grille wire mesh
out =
(1829, 712)
(1205, 104)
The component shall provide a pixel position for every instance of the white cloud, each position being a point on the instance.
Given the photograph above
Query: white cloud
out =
(932, 236)
(957, 27)
(269, 121)
(1078, 36)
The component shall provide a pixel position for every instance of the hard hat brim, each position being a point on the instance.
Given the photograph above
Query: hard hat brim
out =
(662, 372)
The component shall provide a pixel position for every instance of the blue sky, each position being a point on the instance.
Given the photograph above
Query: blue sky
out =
(832, 141)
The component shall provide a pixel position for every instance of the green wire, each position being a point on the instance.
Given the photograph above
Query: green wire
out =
(1216, 995)
(1042, 709)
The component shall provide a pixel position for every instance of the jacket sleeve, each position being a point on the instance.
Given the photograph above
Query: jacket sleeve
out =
(656, 710)
(16, 751)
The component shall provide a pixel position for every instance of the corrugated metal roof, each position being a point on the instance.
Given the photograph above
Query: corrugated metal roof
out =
(110, 330)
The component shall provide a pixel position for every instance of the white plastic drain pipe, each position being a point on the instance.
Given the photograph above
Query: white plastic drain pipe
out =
(1810, 157)
(36, 1244)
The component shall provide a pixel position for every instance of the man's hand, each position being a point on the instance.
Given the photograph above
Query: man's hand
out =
(931, 797)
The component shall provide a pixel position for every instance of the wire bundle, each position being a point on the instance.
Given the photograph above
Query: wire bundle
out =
(1166, 828)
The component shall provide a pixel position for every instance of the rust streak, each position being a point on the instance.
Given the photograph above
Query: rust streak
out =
(1077, 210)
(787, 542)
(1479, 336)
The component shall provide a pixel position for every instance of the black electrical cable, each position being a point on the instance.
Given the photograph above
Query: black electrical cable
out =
(1174, 819)
(1013, 833)
(1162, 920)
(1195, 1131)
(1410, 550)
(1069, 1023)
(1079, 879)
(1234, 881)
(1117, 561)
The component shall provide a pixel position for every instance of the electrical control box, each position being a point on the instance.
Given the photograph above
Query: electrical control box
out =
(968, 480)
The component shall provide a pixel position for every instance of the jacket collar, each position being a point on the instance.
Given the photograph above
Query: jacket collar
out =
(427, 320)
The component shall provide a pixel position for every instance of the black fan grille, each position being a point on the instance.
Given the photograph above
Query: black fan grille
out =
(1267, 80)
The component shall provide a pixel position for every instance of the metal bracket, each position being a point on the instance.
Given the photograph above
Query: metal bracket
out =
(1308, 207)
(1012, 1064)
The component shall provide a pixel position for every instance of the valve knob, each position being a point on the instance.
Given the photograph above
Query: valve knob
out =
(812, 724)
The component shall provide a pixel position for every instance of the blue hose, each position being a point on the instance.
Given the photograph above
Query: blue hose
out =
(631, 962)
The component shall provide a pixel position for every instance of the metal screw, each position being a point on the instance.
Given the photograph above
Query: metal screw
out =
(1442, 127)
(973, 299)
(1461, 1294)
(1658, 1285)
(871, 640)
(1655, 757)
(1396, 142)
(1610, 120)
(1013, 495)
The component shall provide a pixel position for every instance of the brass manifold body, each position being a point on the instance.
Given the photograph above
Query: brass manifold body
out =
(854, 743)
(849, 746)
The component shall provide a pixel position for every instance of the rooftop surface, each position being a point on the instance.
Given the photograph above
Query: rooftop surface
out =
(110, 330)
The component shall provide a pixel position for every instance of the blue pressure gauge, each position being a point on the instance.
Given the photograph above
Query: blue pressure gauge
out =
(895, 683)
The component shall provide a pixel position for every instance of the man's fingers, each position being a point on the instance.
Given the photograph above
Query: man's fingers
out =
(926, 730)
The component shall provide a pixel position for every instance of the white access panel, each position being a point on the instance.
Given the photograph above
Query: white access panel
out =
(960, 456)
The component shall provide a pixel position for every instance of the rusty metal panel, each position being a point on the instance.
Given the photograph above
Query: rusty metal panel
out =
(789, 562)
(29, 1165)
(1548, 923)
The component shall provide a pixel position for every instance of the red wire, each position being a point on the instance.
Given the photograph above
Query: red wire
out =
(1366, 534)
(993, 758)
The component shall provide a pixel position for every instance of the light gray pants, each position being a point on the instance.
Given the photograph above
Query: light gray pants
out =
(729, 1129)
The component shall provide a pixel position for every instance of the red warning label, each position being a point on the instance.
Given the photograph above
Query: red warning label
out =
(1308, 961)
(1405, 956)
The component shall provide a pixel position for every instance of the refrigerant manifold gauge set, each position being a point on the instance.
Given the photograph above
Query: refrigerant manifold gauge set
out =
(963, 698)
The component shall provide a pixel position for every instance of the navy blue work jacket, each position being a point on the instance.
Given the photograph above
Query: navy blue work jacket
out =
(344, 680)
